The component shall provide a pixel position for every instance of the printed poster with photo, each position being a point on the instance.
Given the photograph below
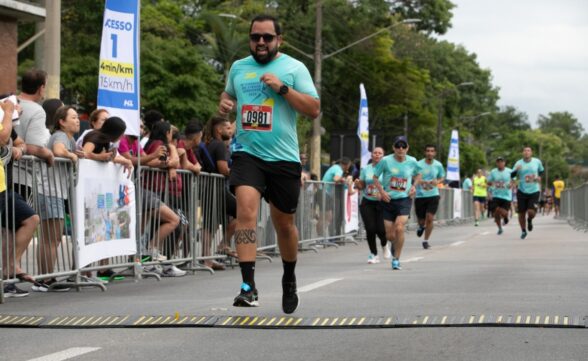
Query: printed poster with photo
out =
(351, 212)
(105, 203)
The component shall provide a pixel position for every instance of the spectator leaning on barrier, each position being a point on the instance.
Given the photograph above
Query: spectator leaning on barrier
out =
(16, 235)
(31, 128)
(151, 117)
(190, 143)
(337, 173)
(53, 204)
(161, 136)
(220, 132)
(166, 218)
(97, 119)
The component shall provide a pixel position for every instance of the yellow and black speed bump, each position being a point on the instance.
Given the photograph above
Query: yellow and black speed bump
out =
(292, 322)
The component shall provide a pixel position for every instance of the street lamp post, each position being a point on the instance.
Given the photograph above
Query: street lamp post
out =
(442, 95)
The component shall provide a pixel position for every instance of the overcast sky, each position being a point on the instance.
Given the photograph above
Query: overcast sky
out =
(537, 51)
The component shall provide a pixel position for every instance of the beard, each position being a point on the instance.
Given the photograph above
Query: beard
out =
(225, 137)
(266, 58)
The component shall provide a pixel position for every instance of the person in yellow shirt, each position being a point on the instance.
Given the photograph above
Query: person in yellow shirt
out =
(17, 218)
(558, 186)
(480, 194)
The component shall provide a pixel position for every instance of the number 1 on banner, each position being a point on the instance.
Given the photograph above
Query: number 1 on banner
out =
(114, 39)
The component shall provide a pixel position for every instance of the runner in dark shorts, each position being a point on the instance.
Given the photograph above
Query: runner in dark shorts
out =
(267, 90)
(427, 193)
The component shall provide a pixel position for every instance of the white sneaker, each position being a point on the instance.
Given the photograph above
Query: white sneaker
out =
(154, 269)
(387, 253)
(372, 259)
(376, 259)
(172, 271)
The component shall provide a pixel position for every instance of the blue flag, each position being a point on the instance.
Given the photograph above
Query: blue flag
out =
(118, 76)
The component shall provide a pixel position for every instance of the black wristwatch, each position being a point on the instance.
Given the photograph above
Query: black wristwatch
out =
(284, 90)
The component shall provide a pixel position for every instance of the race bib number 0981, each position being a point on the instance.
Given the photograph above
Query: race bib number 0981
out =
(256, 117)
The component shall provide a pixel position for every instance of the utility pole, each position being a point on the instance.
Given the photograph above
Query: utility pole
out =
(315, 143)
(52, 51)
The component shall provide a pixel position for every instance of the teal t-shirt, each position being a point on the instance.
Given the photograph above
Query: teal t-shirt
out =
(500, 183)
(429, 172)
(266, 123)
(334, 171)
(397, 176)
(467, 184)
(370, 191)
(527, 174)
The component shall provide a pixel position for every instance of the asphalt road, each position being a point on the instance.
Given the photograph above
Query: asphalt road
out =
(469, 274)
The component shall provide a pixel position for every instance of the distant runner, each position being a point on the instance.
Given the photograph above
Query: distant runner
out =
(528, 172)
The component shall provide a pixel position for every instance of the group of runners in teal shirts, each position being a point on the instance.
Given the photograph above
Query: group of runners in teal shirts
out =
(390, 183)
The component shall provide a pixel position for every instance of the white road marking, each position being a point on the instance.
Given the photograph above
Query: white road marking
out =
(414, 259)
(66, 354)
(485, 233)
(458, 243)
(314, 286)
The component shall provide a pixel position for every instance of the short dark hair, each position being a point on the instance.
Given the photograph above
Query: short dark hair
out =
(266, 17)
(430, 146)
(345, 161)
(50, 106)
(113, 128)
(152, 117)
(32, 80)
(193, 127)
(527, 146)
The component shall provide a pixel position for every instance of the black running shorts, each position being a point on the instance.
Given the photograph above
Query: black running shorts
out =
(527, 201)
(481, 200)
(426, 205)
(278, 182)
(14, 210)
(395, 208)
(499, 203)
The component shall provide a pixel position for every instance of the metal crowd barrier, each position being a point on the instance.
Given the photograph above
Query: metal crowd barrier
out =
(197, 201)
(574, 207)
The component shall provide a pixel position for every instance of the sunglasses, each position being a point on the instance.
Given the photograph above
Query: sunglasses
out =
(401, 146)
(267, 38)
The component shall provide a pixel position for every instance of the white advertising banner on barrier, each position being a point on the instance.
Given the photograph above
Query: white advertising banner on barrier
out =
(118, 77)
(105, 203)
(456, 203)
(351, 212)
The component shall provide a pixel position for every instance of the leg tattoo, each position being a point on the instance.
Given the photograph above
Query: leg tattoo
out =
(245, 236)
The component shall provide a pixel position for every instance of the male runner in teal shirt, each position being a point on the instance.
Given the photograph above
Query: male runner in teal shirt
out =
(427, 192)
(267, 90)
(397, 171)
(500, 181)
(528, 172)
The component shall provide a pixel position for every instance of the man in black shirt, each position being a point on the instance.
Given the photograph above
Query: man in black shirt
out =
(219, 135)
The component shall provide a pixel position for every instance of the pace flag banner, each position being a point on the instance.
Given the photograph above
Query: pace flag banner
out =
(105, 205)
(118, 76)
(363, 127)
(453, 158)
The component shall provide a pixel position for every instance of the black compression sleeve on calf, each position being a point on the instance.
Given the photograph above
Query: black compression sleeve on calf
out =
(289, 275)
(248, 273)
